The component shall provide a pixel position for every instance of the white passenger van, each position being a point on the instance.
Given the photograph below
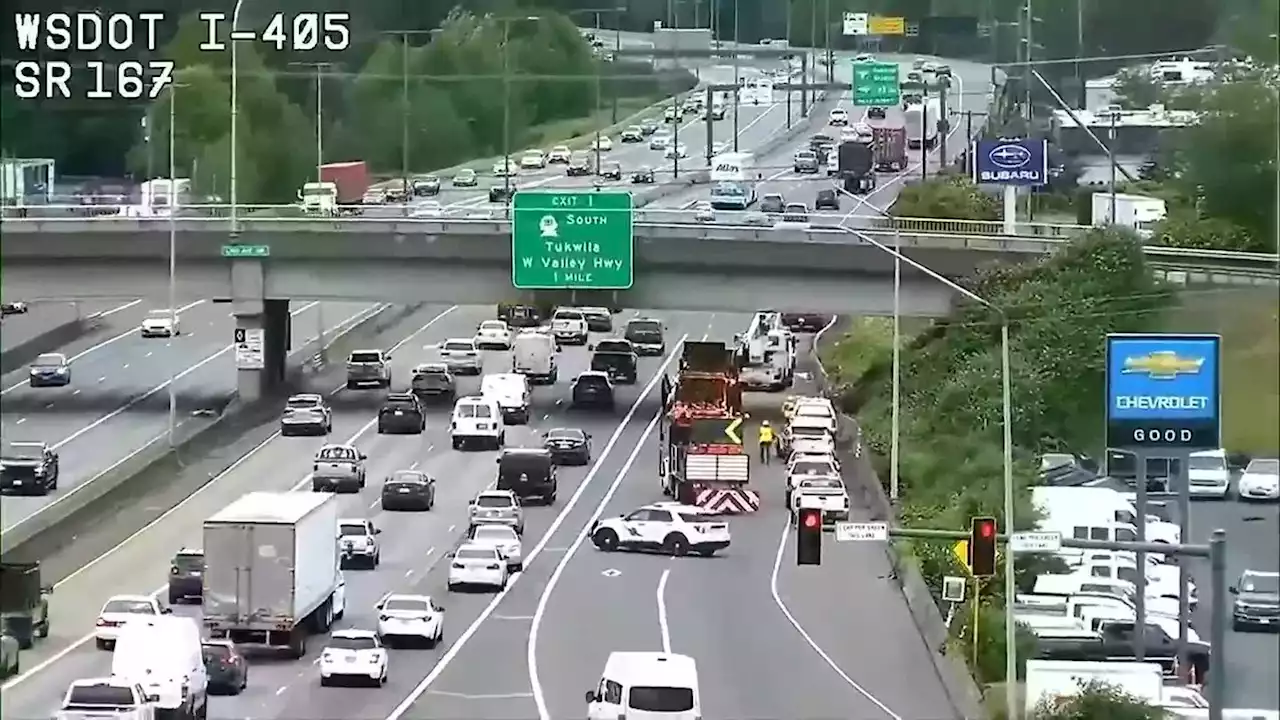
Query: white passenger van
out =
(163, 654)
(646, 686)
(1208, 475)
(511, 391)
(477, 420)
(534, 356)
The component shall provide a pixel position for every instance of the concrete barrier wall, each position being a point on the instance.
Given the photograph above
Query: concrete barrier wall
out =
(866, 490)
(23, 541)
(20, 355)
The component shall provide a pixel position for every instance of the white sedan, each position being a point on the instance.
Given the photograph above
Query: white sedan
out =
(533, 160)
(1260, 481)
(508, 169)
(703, 212)
(677, 150)
(477, 565)
(119, 610)
(502, 538)
(427, 209)
(161, 323)
(493, 334)
(410, 617)
(602, 143)
(353, 655)
(462, 356)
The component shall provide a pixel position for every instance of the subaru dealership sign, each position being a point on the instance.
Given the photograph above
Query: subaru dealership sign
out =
(1011, 162)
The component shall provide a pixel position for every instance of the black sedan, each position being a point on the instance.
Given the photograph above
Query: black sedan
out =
(876, 113)
(568, 446)
(50, 370)
(402, 413)
(426, 187)
(13, 308)
(500, 194)
(227, 669)
(642, 177)
(409, 490)
(28, 468)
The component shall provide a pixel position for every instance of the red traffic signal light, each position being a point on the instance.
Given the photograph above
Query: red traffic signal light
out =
(809, 537)
(982, 546)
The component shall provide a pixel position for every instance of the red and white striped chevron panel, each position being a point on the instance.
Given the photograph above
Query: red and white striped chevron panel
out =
(728, 501)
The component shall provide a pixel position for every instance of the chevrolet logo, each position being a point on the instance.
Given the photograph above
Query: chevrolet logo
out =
(1162, 365)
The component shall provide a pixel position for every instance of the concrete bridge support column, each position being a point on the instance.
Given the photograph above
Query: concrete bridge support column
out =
(264, 325)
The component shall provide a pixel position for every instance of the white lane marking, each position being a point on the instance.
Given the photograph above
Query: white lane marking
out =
(465, 696)
(47, 662)
(124, 408)
(114, 310)
(20, 421)
(777, 599)
(443, 663)
(663, 626)
(127, 333)
(531, 647)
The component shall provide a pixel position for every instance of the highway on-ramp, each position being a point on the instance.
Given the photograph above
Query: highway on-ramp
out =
(759, 656)
(118, 399)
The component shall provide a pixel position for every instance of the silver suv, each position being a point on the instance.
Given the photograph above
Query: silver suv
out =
(498, 507)
(368, 367)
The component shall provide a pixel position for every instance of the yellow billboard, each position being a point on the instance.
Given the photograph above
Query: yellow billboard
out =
(881, 25)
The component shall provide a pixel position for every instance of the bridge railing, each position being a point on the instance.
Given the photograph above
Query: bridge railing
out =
(978, 227)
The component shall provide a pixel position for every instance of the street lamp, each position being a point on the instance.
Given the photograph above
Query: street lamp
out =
(173, 259)
(404, 100)
(506, 102)
(1006, 401)
(319, 67)
(235, 116)
(737, 69)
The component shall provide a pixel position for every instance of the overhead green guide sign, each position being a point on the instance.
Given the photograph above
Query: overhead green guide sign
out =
(875, 84)
(246, 251)
(572, 241)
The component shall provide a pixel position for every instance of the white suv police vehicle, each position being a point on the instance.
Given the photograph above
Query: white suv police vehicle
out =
(667, 527)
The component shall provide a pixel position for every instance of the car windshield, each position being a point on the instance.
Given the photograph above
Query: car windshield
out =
(644, 327)
(459, 346)
(137, 607)
(467, 173)
(188, 562)
(726, 189)
(302, 402)
(815, 433)
(568, 315)
(1264, 467)
(495, 325)
(23, 451)
(660, 699)
(213, 651)
(600, 380)
(407, 604)
(1207, 462)
(493, 501)
(1259, 583)
(353, 529)
(353, 643)
(812, 467)
(337, 452)
(158, 315)
(494, 533)
(50, 360)
(102, 694)
(806, 155)
(365, 356)
(476, 553)
(823, 484)
(796, 209)
(407, 476)
(565, 434)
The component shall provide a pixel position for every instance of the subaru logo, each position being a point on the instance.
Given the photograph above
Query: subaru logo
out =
(1009, 157)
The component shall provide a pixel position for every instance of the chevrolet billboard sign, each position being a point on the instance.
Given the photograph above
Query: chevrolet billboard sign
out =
(1163, 391)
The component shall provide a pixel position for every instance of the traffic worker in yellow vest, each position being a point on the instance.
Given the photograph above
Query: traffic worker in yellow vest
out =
(766, 441)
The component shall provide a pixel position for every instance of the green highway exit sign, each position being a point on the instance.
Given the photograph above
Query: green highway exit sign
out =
(246, 251)
(572, 240)
(876, 84)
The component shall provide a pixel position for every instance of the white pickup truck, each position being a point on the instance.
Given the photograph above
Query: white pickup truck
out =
(105, 699)
(825, 493)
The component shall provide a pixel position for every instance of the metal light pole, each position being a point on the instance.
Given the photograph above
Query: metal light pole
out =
(506, 103)
(404, 101)
(319, 67)
(599, 90)
(788, 62)
(235, 117)
(1006, 400)
(173, 260)
(737, 69)
(897, 368)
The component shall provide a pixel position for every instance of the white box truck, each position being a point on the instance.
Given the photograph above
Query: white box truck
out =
(271, 570)
(1137, 212)
(921, 122)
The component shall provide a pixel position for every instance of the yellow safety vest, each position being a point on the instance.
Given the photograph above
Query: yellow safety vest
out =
(766, 434)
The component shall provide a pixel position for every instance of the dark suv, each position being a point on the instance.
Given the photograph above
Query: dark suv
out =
(827, 200)
(186, 576)
(529, 473)
(617, 358)
(402, 413)
(592, 389)
(434, 382)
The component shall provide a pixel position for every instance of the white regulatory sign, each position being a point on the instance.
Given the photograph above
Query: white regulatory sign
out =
(1031, 542)
(862, 532)
(855, 23)
(249, 344)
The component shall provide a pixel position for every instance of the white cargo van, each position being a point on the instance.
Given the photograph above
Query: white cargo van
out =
(648, 685)
(477, 420)
(534, 356)
(163, 654)
(511, 391)
(1208, 475)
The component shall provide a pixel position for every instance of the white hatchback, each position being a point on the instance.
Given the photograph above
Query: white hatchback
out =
(477, 565)
(353, 655)
(410, 617)
(493, 334)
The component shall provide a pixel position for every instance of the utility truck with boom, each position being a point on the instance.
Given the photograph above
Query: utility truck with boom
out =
(766, 353)
(271, 570)
(701, 458)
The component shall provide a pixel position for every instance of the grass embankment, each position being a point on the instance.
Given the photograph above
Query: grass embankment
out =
(1248, 319)
(580, 128)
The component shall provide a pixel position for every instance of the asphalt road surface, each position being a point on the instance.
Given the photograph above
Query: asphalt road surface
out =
(972, 81)
(118, 399)
(1253, 543)
(771, 640)
(43, 317)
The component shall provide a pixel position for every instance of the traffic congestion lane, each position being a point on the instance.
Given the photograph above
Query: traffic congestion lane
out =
(480, 673)
(148, 557)
(43, 317)
(117, 403)
(141, 563)
(1253, 543)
